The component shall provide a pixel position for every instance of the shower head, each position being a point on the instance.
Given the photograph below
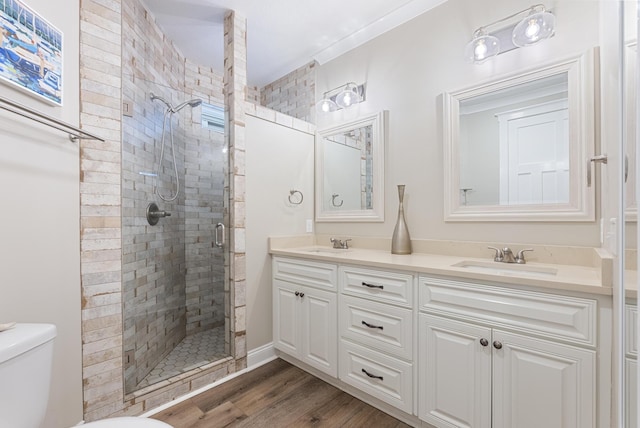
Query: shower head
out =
(192, 103)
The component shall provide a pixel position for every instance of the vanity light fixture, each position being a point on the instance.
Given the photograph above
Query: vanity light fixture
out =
(537, 25)
(482, 47)
(341, 97)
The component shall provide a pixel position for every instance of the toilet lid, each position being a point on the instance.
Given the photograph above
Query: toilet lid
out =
(127, 422)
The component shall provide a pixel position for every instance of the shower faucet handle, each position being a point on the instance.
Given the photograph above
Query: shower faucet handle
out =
(154, 214)
(159, 214)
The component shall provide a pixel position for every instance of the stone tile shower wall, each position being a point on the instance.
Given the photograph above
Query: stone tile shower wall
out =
(171, 284)
(101, 97)
(293, 94)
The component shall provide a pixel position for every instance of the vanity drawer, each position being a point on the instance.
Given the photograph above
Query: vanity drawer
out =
(631, 319)
(383, 377)
(551, 315)
(376, 325)
(386, 287)
(306, 272)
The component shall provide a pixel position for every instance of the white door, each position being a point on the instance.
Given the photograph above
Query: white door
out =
(455, 373)
(319, 317)
(286, 323)
(541, 384)
(534, 155)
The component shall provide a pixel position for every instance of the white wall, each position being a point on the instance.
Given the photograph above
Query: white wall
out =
(278, 159)
(406, 70)
(40, 221)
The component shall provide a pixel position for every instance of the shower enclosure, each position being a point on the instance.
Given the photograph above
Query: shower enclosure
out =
(174, 300)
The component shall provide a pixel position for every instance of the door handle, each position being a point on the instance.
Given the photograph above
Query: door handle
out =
(626, 167)
(219, 235)
(598, 158)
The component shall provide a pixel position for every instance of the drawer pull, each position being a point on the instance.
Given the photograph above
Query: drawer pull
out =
(372, 326)
(381, 287)
(371, 375)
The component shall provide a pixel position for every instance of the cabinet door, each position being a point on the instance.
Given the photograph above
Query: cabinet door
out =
(286, 323)
(319, 336)
(537, 383)
(455, 373)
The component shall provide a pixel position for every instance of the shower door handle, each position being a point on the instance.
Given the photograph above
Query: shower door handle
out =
(219, 236)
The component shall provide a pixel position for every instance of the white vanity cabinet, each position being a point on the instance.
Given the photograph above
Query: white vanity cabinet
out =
(305, 312)
(376, 333)
(498, 357)
(631, 364)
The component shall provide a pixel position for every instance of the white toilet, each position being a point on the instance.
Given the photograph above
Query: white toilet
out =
(26, 354)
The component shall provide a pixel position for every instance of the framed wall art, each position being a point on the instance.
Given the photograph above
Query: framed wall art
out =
(30, 52)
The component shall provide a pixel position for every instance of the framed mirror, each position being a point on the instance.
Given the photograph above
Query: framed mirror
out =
(518, 148)
(350, 170)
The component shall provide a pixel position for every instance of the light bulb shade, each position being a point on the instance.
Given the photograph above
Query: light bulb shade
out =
(326, 105)
(481, 48)
(348, 96)
(534, 28)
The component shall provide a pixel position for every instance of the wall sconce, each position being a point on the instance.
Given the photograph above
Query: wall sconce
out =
(341, 97)
(537, 25)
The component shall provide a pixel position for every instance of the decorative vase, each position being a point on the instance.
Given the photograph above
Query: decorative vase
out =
(401, 241)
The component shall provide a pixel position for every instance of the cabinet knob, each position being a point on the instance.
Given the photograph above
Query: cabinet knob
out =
(297, 293)
(497, 345)
(301, 294)
(484, 342)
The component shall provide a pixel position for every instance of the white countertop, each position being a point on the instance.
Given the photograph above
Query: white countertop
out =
(575, 278)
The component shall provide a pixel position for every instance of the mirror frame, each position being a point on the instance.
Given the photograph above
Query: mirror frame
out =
(581, 101)
(376, 214)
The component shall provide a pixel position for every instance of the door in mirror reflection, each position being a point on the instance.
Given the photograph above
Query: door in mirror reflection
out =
(514, 145)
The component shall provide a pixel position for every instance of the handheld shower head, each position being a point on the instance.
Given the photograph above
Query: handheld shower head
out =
(191, 103)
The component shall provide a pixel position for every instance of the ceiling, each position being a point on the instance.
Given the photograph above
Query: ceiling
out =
(282, 35)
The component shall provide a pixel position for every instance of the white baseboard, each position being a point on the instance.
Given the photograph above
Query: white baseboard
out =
(255, 358)
(261, 355)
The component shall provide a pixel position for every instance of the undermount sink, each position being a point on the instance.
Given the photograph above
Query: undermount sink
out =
(325, 250)
(509, 269)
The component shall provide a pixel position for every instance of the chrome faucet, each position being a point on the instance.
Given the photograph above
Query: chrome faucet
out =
(337, 243)
(505, 255)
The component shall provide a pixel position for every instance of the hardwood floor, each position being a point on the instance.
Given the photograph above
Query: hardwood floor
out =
(275, 395)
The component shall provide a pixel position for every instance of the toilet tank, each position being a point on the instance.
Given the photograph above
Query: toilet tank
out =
(26, 355)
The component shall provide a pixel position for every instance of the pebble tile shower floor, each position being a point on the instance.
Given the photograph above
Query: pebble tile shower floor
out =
(194, 351)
